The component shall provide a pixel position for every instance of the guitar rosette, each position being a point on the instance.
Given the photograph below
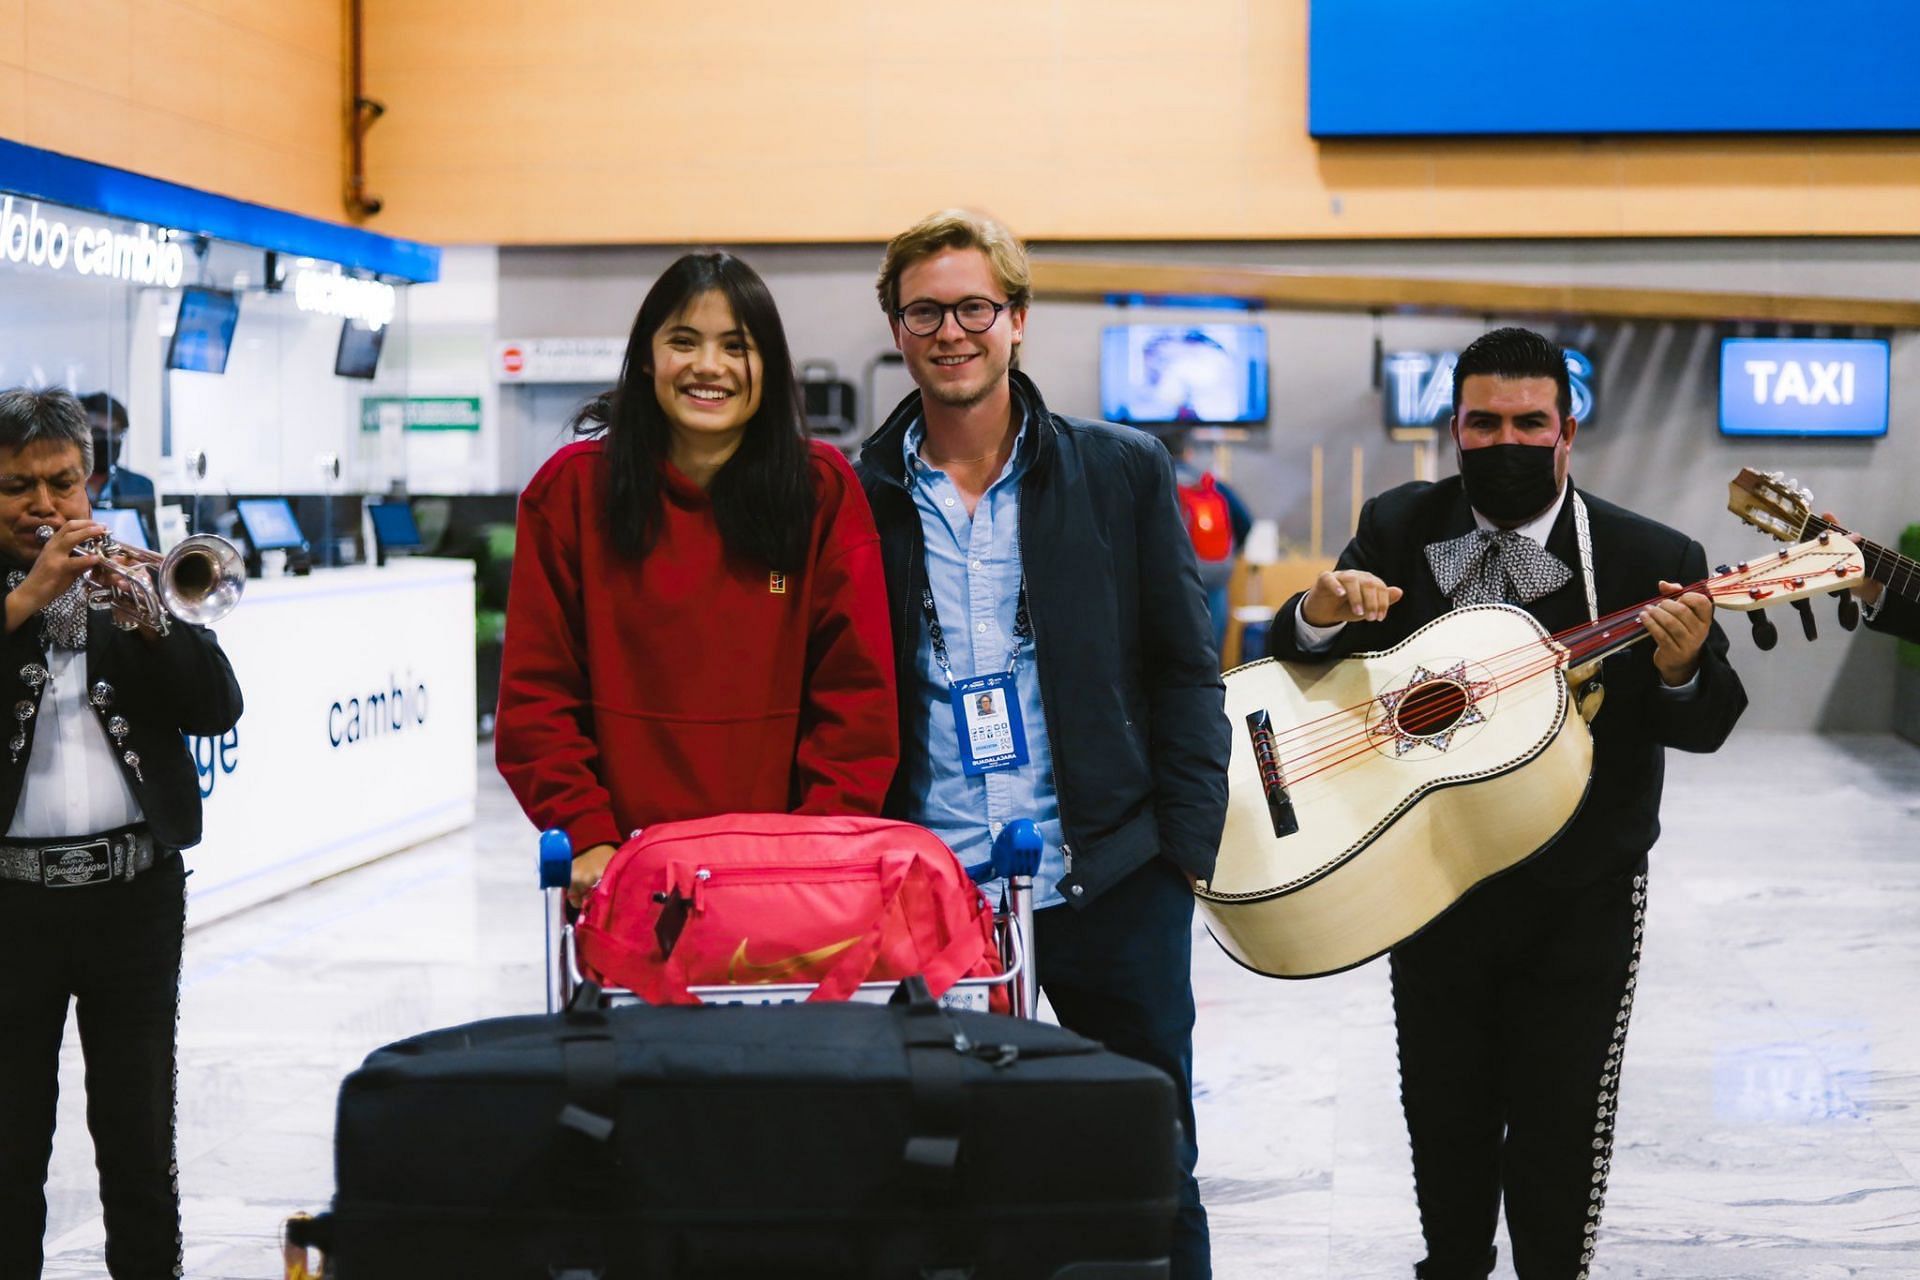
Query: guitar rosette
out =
(1427, 713)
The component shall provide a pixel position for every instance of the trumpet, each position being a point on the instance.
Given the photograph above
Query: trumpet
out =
(199, 581)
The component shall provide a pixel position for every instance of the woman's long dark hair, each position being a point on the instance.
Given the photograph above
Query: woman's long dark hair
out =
(763, 495)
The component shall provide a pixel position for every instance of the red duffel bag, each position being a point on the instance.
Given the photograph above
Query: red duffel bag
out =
(757, 898)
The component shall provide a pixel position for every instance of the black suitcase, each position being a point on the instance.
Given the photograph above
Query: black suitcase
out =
(896, 1142)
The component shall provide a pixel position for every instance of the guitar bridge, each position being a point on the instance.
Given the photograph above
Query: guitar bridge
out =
(1272, 780)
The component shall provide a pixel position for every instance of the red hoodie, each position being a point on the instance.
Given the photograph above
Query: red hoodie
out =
(691, 682)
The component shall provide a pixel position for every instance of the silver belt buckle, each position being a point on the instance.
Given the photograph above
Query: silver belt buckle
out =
(73, 866)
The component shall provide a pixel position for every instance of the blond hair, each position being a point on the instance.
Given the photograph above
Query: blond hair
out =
(956, 229)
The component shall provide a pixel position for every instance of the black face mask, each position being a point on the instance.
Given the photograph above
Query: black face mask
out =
(1509, 483)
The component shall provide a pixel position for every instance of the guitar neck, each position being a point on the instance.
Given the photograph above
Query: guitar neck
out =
(1592, 641)
(1897, 573)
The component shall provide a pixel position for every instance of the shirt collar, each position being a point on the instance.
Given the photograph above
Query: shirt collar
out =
(1537, 528)
(916, 435)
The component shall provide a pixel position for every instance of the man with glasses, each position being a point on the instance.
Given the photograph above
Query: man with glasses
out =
(1043, 558)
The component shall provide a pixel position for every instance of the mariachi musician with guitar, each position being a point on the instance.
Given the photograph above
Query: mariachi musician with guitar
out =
(1512, 1007)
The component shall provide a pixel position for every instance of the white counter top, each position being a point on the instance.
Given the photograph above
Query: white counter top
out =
(358, 735)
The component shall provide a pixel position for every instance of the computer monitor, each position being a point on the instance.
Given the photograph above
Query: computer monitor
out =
(393, 529)
(1184, 374)
(358, 355)
(124, 526)
(203, 330)
(269, 524)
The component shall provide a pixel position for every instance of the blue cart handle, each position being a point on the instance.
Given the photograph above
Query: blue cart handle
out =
(556, 859)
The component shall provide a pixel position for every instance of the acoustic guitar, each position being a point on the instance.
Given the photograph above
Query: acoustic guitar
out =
(1782, 508)
(1368, 795)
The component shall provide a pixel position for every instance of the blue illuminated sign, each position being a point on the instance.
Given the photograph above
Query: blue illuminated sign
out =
(1803, 387)
(81, 184)
(1417, 387)
(1412, 68)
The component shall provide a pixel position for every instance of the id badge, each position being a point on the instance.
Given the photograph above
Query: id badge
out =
(986, 715)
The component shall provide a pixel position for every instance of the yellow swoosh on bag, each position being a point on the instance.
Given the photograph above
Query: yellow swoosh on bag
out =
(742, 971)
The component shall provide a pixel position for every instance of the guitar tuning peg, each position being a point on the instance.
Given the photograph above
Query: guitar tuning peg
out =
(1765, 634)
(1805, 608)
(1849, 610)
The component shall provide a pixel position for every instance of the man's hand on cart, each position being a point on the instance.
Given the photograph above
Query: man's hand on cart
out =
(587, 870)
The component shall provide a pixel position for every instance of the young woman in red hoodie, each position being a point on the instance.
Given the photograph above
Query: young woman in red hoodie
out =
(697, 622)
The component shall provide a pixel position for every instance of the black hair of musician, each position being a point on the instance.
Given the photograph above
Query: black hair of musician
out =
(763, 497)
(29, 417)
(1515, 353)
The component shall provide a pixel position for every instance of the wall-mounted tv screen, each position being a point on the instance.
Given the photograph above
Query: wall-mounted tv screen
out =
(1823, 387)
(358, 355)
(1202, 374)
(203, 330)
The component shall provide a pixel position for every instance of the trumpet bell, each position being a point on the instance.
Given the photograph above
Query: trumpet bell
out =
(201, 579)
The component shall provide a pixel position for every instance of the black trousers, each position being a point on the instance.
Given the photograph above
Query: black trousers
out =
(1120, 971)
(1512, 1015)
(114, 950)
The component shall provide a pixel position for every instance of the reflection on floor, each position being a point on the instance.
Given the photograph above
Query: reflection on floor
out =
(1770, 1114)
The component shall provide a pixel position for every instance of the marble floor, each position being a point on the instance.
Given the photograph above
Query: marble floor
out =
(1770, 1112)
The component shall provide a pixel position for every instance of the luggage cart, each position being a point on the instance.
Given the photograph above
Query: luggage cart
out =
(1015, 860)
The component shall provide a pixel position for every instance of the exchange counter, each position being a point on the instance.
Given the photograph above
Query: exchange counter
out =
(358, 735)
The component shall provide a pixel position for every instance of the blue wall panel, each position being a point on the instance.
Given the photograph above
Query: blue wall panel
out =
(1412, 67)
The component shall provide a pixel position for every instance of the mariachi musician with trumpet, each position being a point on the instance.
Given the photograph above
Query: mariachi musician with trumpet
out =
(108, 663)
(1512, 1007)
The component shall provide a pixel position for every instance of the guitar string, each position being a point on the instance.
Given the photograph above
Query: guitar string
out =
(1580, 643)
(1532, 649)
(1876, 557)
(1543, 662)
(1364, 743)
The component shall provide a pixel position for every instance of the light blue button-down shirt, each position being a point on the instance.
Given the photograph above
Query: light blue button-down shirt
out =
(973, 568)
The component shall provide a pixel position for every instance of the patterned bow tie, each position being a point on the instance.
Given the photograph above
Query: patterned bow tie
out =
(1497, 566)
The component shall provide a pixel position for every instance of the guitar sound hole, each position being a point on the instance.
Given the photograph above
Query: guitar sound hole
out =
(1433, 706)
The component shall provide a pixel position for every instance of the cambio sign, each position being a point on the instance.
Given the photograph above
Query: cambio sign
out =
(1419, 386)
(30, 238)
(1803, 387)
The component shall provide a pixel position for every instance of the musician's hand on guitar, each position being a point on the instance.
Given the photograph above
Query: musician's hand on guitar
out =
(1350, 595)
(1868, 592)
(1679, 625)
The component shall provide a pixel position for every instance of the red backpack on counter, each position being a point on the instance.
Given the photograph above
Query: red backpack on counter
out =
(760, 898)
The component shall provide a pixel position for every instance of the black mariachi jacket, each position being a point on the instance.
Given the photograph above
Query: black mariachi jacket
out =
(178, 684)
(1128, 672)
(1621, 817)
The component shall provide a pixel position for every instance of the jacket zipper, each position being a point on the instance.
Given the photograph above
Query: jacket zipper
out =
(1053, 744)
(773, 873)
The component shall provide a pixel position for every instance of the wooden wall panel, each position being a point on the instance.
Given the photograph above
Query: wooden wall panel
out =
(554, 121)
(243, 97)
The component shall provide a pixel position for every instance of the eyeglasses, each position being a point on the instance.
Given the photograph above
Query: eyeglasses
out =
(975, 315)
